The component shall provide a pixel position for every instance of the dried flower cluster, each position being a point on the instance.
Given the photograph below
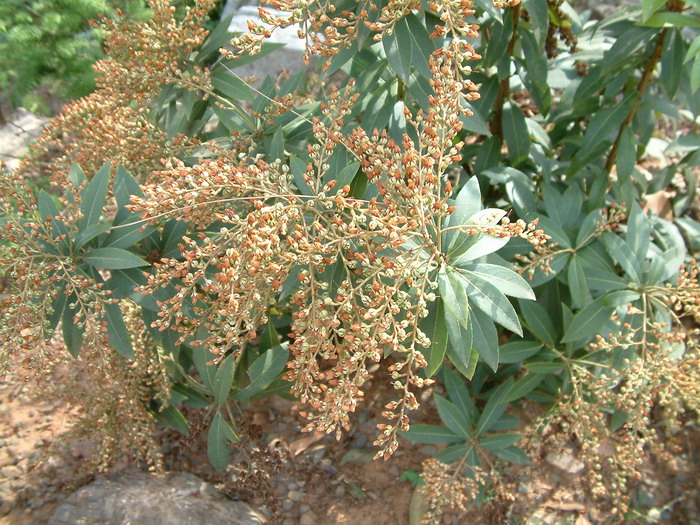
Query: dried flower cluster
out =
(644, 376)
(367, 266)
(112, 123)
(456, 487)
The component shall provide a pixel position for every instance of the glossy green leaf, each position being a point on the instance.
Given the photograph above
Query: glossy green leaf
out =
(499, 441)
(113, 259)
(487, 298)
(93, 198)
(623, 254)
(220, 433)
(224, 379)
(116, 331)
(588, 322)
(626, 155)
(485, 338)
(505, 280)
(605, 123)
(459, 395)
(523, 386)
(649, 7)
(454, 294)
(399, 49)
(517, 351)
(603, 280)
(494, 408)
(452, 417)
(544, 367)
(230, 84)
(202, 358)
(264, 370)
(512, 454)
(578, 284)
(467, 204)
(431, 434)
(435, 327)
(173, 418)
(515, 132)
(539, 322)
(73, 332)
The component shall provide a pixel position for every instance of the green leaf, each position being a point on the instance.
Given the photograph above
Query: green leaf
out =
(604, 281)
(517, 351)
(452, 453)
(264, 371)
(113, 259)
(487, 298)
(623, 254)
(435, 327)
(638, 235)
(471, 247)
(459, 395)
(220, 433)
(649, 7)
(672, 62)
(523, 386)
(494, 408)
(625, 47)
(93, 198)
(58, 305)
(277, 146)
(399, 49)
(201, 357)
(467, 204)
(422, 46)
(173, 418)
(124, 187)
(588, 228)
(485, 338)
(512, 454)
(515, 132)
(116, 331)
(72, 333)
(224, 380)
(695, 75)
(230, 85)
(454, 294)
(578, 284)
(85, 236)
(452, 417)
(606, 123)
(499, 441)
(671, 19)
(431, 434)
(626, 155)
(587, 323)
(505, 280)
(544, 367)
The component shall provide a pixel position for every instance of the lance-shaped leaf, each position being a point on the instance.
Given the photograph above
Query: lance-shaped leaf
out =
(220, 433)
(453, 417)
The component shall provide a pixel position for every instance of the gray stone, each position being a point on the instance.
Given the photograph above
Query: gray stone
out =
(565, 461)
(15, 136)
(140, 498)
(295, 495)
(428, 450)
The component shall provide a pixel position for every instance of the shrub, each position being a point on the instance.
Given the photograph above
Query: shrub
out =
(382, 211)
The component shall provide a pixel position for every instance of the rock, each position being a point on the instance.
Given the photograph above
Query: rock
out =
(10, 471)
(136, 497)
(428, 450)
(565, 461)
(287, 505)
(15, 136)
(295, 495)
(308, 518)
